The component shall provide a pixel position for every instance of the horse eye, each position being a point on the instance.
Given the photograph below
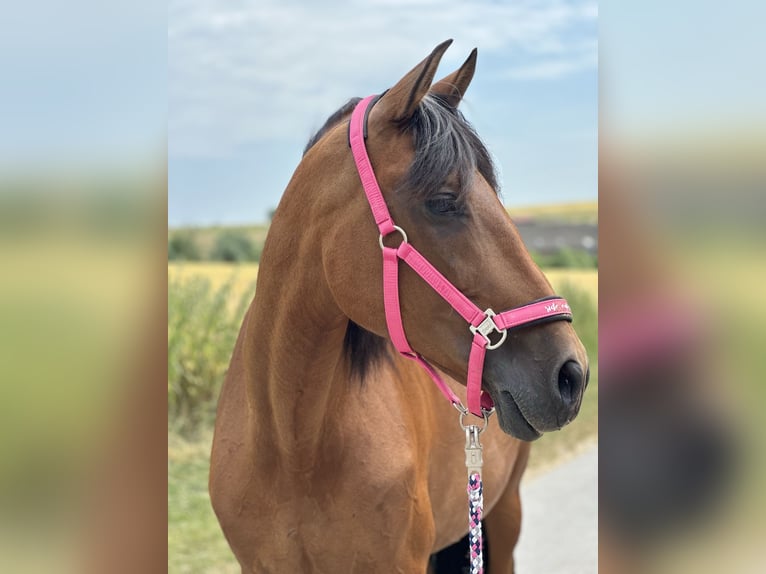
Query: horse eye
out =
(443, 205)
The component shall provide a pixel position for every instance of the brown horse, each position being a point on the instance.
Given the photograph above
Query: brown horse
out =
(331, 452)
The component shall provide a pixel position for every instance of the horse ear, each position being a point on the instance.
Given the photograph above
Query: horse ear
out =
(400, 102)
(453, 87)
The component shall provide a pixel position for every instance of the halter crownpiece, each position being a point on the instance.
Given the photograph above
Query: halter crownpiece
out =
(489, 329)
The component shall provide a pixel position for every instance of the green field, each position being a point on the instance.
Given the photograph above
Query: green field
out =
(195, 541)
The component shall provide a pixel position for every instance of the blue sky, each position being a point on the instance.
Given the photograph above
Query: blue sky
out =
(249, 82)
(686, 66)
(83, 84)
(235, 90)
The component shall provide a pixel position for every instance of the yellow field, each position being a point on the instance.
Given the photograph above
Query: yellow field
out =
(245, 274)
(242, 274)
(585, 279)
(581, 212)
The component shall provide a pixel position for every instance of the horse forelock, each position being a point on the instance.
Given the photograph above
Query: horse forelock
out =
(445, 145)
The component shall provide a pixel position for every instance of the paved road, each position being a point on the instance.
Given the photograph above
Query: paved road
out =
(560, 519)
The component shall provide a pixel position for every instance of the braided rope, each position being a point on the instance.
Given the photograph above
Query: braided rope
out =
(475, 510)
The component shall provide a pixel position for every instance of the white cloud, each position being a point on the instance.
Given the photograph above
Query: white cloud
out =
(241, 71)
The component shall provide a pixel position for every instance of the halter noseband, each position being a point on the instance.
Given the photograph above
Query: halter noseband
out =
(481, 324)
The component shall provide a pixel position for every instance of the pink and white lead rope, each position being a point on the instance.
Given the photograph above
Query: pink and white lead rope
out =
(475, 511)
(473, 463)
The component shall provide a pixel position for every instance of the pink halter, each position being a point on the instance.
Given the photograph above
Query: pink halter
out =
(480, 323)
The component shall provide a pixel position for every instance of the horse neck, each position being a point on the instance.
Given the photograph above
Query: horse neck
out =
(293, 337)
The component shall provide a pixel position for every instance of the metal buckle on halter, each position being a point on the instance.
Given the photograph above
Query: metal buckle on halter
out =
(488, 326)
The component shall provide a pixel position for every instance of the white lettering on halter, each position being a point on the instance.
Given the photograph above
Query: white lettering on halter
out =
(554, 307)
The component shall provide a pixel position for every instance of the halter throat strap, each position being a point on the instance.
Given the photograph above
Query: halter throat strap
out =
(488, 329)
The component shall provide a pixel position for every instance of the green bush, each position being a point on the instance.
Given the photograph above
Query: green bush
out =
(183, 247)
(235, 247)
(585, 317)
(203, 325)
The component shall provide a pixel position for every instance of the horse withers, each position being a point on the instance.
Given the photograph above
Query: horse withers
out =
(332, 452)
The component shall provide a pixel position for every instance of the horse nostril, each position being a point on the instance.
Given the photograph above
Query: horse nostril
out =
(571, 382)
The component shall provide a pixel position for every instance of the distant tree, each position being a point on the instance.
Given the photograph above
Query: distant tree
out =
(271, 212)
(234, 246)
(566, 258)
(183, 247)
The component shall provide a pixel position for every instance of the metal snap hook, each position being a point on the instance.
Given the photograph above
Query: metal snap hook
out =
(485, 415)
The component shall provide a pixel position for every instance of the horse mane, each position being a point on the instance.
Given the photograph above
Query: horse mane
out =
(332, 121)
(445, 145)
(362, 348)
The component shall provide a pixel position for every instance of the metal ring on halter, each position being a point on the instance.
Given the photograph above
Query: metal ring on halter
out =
(485, 414)
(486, 327)
(396, 228)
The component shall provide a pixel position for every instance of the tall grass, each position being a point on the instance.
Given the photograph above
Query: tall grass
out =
(203, 324)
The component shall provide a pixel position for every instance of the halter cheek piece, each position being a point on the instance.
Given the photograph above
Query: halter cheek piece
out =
(489, 329)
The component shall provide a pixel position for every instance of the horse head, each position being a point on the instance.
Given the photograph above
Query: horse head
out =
(439, 183)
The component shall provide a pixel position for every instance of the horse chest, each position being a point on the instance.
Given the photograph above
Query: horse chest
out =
(358, 509)
(376, 494)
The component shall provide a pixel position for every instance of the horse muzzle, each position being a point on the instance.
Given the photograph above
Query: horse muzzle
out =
(529, 397)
